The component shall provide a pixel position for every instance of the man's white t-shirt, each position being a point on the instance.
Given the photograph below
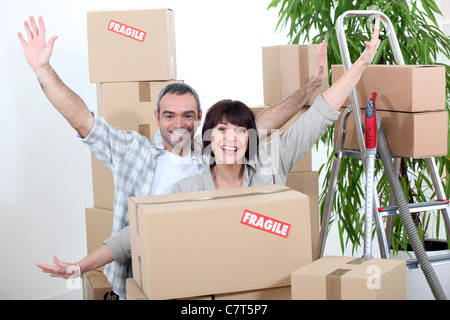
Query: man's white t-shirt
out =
(170, 168)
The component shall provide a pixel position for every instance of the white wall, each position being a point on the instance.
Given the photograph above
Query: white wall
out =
(45, 172)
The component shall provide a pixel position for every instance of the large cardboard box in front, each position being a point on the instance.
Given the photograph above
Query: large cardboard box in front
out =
(131, 45)
(350, 278)
(221, 241)
(408, 134)
(134, 292)
(287, 68)
(405, 88)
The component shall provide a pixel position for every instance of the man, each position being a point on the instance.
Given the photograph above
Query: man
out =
(143, 166)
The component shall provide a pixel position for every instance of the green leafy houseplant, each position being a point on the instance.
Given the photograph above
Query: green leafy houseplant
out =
(421, 42)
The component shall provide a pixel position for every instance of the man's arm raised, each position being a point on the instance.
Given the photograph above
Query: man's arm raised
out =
(37, 53)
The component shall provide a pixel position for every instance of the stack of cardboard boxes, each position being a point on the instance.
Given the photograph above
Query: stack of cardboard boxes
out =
(131, 58)
(223, 244)
(411, 104)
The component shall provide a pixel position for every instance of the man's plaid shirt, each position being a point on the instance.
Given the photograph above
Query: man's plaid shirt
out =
(132, 159)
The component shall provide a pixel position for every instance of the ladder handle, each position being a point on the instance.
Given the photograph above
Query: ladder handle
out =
(343, 47)
(393, 41)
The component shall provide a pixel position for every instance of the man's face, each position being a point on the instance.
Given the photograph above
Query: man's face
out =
(178, 120)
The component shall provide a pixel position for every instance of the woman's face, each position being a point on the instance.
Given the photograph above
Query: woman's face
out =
(229, 143)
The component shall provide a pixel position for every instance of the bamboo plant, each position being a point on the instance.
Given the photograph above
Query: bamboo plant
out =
(421, 42)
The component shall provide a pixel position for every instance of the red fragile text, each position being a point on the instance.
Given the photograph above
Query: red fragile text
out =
(126, 31)
(264, 223)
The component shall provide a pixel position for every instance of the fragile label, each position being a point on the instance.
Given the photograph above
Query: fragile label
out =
(127, 31)
(264, 223)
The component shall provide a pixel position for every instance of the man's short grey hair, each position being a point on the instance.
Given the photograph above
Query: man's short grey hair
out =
(178, 89)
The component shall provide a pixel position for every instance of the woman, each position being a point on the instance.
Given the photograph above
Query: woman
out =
(236, 159)
(230, 142)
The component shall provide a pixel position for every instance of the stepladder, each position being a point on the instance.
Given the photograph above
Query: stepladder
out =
(383, 217)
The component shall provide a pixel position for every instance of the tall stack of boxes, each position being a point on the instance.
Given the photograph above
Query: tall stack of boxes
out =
(132, 57)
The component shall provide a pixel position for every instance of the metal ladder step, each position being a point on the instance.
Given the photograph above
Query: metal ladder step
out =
(415, 207)
(356, 154)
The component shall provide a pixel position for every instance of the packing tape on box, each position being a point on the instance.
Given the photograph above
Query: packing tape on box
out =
(333, 284)
(358, 261)
(144, 92)
(333, 280)
(144, 130)
(137, 204)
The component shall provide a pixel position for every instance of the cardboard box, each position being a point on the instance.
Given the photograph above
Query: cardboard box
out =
(305, 163)
(413, 135)
(406, 88)
(134, 292)
(131, 45)
(99, 224)
(282, 293)
(131, 105)
(350, 278)
(221, 241)
(308, 183)
(288, 68)
(97, 287)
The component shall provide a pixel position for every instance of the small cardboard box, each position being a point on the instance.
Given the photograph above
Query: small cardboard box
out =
(131, 45)
(130, 105)
(350, 278)
(413, 135)
(287, 68)
(221, 241)
(97, 287)
(305, 163)
(406, 88)
(99, 224)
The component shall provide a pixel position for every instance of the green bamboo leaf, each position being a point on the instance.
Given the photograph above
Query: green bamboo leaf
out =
(430, 15)
(421, 42)
(433, 6)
